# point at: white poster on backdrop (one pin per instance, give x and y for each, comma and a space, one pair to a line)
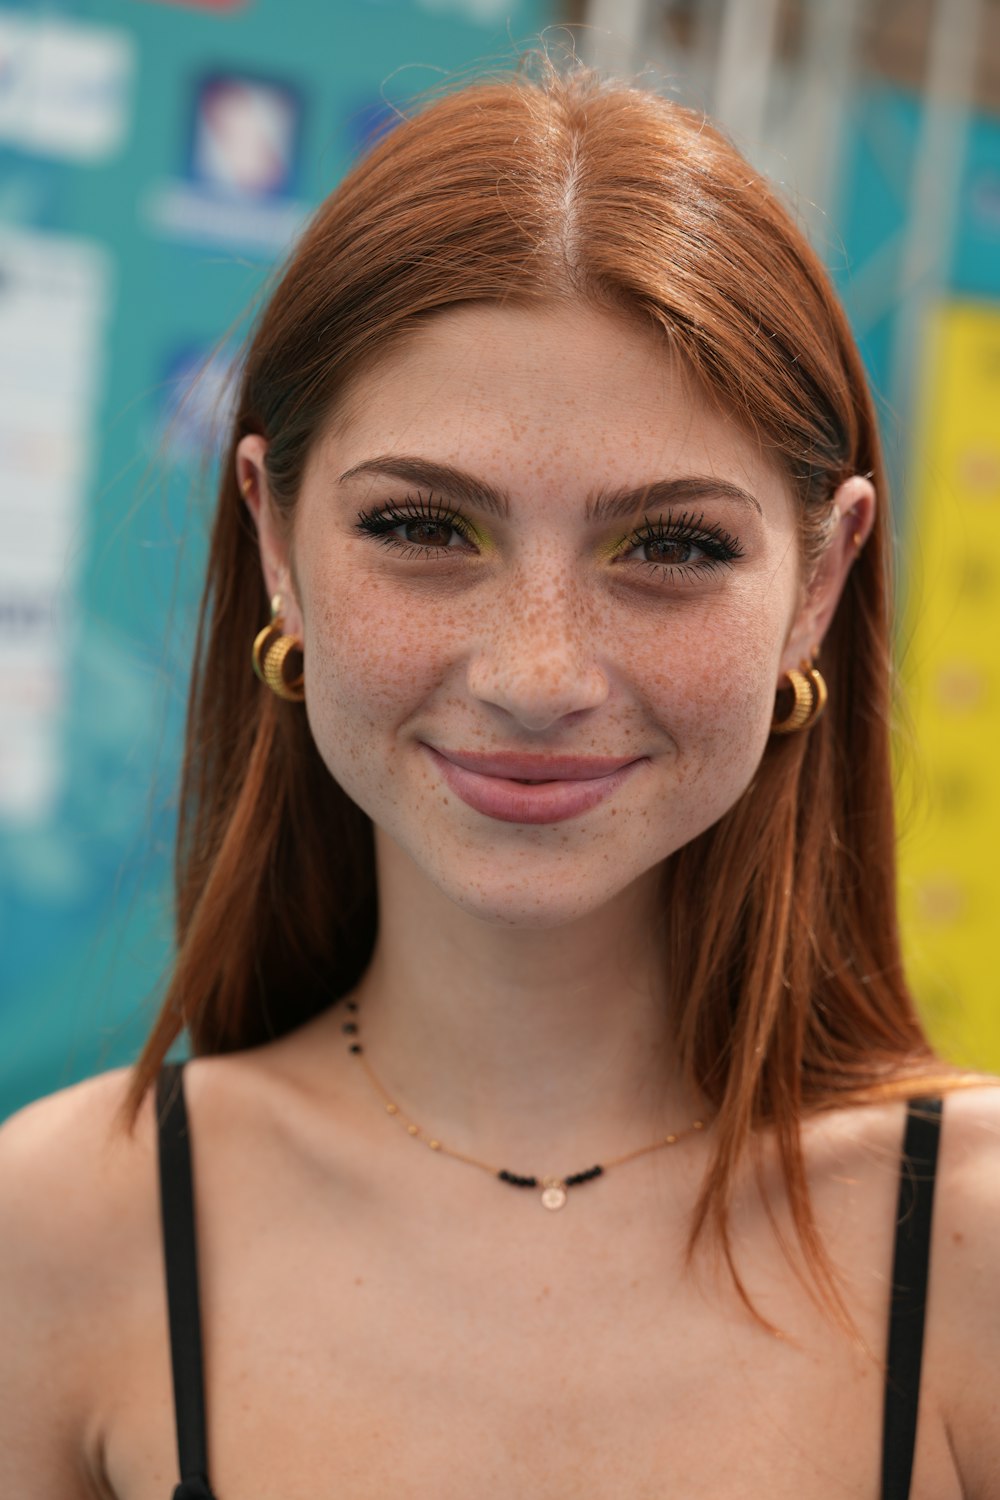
64, 86
54, 295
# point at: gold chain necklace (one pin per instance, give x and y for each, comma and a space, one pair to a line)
554, 1189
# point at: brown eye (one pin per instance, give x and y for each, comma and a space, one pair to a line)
669, 551
429, 533
418, 523
678, 548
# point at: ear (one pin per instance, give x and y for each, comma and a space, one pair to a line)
272, 532
851, 523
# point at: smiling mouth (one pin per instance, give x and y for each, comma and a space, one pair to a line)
573, 786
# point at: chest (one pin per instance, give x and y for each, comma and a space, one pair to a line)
446, 1364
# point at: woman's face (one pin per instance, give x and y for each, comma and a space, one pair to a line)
527, 549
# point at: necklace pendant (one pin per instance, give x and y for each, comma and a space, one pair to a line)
553, 1194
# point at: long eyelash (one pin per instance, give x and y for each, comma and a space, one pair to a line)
382, 522
722, 549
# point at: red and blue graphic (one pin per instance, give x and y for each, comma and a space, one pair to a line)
246, 137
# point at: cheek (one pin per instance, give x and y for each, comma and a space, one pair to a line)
711, 681
366, 661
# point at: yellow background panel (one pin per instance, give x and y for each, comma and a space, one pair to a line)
950, 667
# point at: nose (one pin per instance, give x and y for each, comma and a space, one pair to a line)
538, 658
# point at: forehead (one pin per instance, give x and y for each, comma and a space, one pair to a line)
552, 397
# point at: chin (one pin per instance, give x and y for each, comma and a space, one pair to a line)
530, 887
535, 911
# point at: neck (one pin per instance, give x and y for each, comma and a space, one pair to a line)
536, 1048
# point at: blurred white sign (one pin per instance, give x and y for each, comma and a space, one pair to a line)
64, 86
54, 294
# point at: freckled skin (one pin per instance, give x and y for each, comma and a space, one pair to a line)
539, 640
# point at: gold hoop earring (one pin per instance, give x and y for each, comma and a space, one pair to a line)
801, 708
266, 638
275, 656
810, 699
270, 651
820, 694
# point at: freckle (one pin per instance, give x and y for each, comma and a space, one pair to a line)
359, 1281
958, 1238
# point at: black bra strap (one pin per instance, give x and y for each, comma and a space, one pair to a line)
180, 1251
911, 1260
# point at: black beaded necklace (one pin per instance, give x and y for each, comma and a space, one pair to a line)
554, 1189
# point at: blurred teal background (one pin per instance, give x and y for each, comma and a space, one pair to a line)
156, 159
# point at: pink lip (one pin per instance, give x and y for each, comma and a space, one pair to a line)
568, 784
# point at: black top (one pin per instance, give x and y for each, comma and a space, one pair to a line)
911, 1258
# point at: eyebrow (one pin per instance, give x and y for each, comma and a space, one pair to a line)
603, 505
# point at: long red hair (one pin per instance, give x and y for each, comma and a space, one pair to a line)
786, 960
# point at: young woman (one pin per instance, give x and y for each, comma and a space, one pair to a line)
556, 1087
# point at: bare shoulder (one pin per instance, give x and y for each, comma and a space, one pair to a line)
66, 1160
78, 1210
963, 1340
967, 1192
74, 1184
